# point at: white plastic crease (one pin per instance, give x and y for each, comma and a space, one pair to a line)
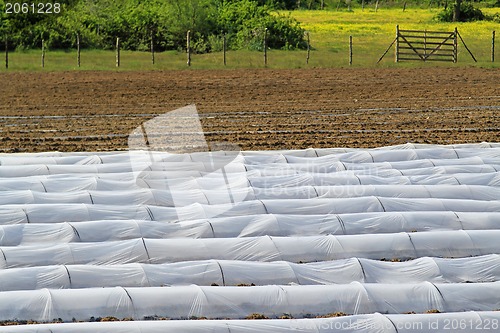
164, 197
233, 302
148, 234
233, 272
470, 322
401, 246
253, 178
20, 232
75, 212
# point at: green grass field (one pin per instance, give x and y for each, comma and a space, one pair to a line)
329, 30
374, 31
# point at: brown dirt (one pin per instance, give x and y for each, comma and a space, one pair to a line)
256, 109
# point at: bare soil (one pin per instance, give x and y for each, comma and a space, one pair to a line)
256, 109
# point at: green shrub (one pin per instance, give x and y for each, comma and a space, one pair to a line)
494, 4
468, 13
215, 43
100, 22
247, 21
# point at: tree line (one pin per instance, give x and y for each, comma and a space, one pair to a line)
136, 22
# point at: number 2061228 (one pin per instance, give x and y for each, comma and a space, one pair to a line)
32, 8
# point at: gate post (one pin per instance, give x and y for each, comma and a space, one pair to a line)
493, 46
350, 50
396, 54
455, 46
425, 45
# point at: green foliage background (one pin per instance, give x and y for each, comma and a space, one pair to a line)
467, 13
100, 22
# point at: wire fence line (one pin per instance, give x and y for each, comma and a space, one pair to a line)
190, 50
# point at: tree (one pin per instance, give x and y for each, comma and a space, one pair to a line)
100, 22
456, 10
461, 12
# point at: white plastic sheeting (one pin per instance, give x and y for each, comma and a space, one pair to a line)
406, 152
183, 302
186, 180
452, 244
142, 234
470, 322
73, 212
245, 226
231, 272
165, 198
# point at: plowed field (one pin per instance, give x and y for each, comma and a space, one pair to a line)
256, 109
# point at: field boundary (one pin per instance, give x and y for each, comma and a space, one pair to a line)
410, 45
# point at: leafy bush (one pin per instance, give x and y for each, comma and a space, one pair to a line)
467, 13
294, 4
100, 22
494, 4
215, 43
247, 21
27, 30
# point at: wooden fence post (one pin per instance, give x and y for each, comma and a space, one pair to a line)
455, 46
350, 50
493, 46
224, 47
363, 5
78, 49
396, 49
188, 48
265, 47
43, 53
376, 6
322, 4
118, 52
404, 7
6, 52
308, 47
425, 45
152, 47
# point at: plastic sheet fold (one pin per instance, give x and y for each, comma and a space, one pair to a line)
273, 301
235, 272
371, 233
401, 246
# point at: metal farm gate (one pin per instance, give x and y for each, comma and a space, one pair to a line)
423, 45
426, 45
